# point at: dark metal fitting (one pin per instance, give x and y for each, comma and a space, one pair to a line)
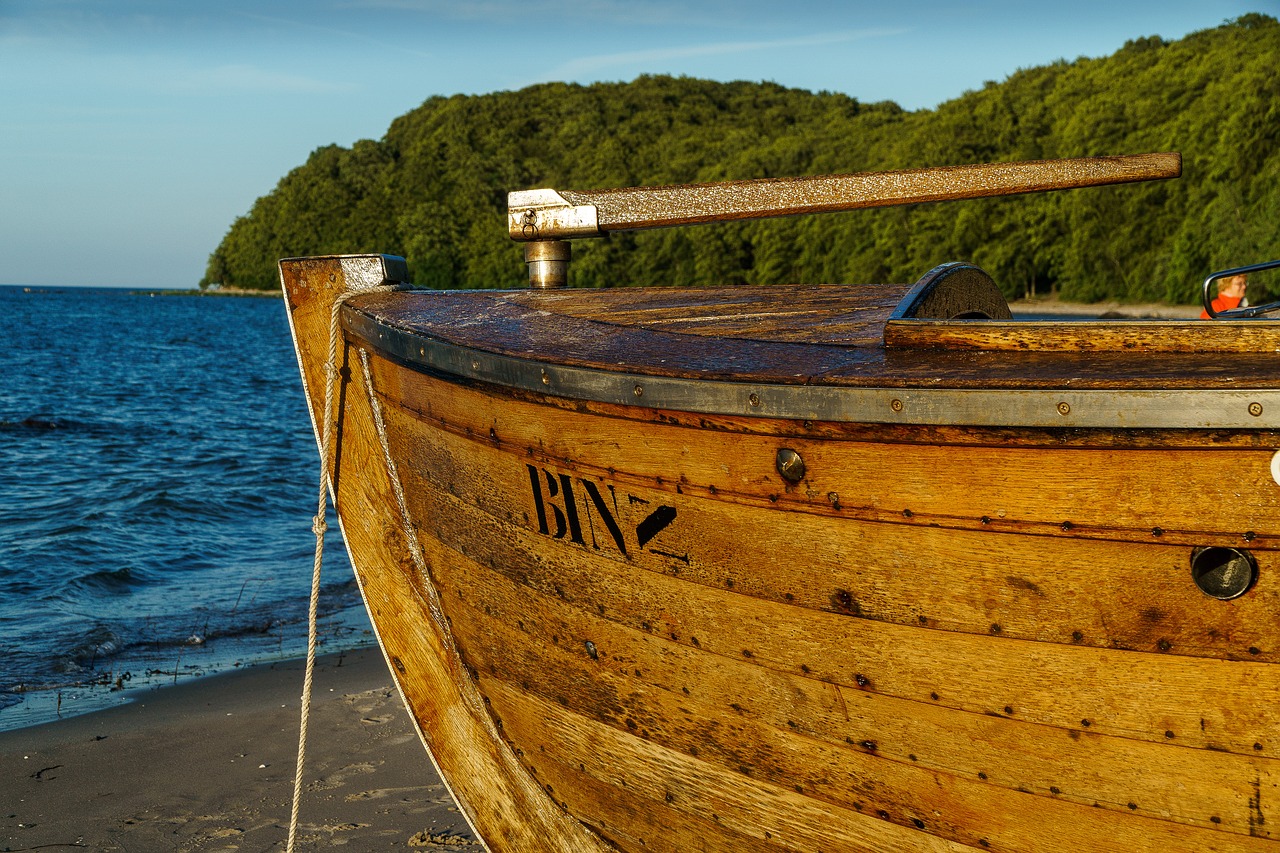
789, 465
1223, 573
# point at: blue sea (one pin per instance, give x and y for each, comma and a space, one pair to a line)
158, 475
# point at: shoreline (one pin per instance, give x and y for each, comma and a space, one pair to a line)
194, 291
1109, 309
208, 765
1033, 305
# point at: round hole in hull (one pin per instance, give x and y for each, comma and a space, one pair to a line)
1223, 573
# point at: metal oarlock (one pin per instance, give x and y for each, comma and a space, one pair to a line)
548, 262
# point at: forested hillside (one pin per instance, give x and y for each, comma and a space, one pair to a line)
434, 188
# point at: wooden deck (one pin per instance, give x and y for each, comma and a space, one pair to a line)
832, 335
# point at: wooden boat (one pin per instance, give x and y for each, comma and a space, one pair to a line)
837, 568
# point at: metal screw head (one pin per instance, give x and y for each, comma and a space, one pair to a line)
789, 465
896, 405
1064, 409
1255, 409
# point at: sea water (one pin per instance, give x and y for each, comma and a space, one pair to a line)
158, 476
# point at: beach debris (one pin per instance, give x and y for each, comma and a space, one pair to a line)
431, 838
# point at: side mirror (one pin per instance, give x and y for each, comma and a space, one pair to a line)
1237, 313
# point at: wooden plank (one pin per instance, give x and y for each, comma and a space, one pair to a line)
658, 207
520, 326
741, 804
729, 710
809, 314
1032, 587
636, 823
906, 436
635, 763
1202, 702
1138, 336
1104, 492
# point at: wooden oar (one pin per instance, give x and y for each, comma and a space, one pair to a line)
539, 215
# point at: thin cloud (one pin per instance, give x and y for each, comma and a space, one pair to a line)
351, 34
589, 65
622, 12
241, 78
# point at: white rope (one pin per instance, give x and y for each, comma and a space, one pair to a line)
318, 526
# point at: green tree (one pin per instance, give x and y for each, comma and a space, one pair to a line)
434, 187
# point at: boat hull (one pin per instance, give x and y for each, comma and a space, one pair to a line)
621, 627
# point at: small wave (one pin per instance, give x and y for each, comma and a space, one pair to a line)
118, 580
45, 424
40, 423
96, 644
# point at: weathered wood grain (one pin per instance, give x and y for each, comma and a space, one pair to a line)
1204, 703
1136, 336
633, 208
745, 717
630, 762
1032, 587
641, 771
780, 334
1148, 494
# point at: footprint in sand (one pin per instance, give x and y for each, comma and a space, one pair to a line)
339, 778
379, 793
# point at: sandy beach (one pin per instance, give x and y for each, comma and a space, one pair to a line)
209, 766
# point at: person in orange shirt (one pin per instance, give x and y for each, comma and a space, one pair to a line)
1230, 294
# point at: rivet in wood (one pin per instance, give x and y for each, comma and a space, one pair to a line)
790, 465
1064, 408
1255, 409
1223, 573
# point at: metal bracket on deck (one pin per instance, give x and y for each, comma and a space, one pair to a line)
546, 216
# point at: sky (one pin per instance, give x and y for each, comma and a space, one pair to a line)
134, 132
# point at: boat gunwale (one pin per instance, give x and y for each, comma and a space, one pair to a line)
1113, 408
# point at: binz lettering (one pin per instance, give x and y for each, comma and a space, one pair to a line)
606, 517
654, 523
556, 504
564, 513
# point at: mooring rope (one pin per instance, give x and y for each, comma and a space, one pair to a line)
319, 526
